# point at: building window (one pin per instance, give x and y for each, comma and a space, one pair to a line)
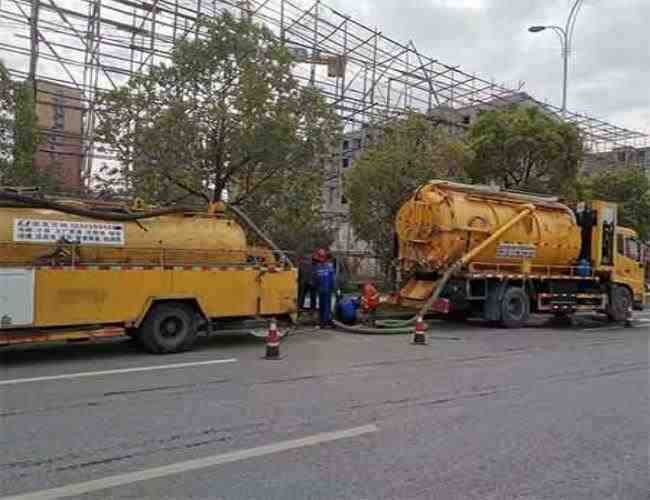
346, 162
642, 156
346, 145
344, 200
466, 120
331, 196
357, 143
621, 156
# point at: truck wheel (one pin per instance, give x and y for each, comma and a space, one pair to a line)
620, 301
168, 327
515, 308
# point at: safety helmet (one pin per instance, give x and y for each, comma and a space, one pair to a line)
320, 255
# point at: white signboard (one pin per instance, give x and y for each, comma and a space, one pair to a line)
516, 251
53, 231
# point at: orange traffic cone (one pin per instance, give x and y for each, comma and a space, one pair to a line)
273, 342
419, 335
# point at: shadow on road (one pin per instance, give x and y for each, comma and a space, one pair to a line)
52, 353
228, 344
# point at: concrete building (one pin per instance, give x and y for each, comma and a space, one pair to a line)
60, 118
335, 205
624, 156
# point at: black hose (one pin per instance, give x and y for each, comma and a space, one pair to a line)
83, 212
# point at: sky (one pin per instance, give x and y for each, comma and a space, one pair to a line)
609, 67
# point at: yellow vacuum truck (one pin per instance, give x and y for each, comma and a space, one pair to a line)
78, 270
504, 255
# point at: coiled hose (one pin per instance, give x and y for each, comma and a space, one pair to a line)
393, 326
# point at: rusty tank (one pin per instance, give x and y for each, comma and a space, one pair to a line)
31, 235
442, 221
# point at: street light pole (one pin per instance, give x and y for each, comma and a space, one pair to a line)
565, 77
566, 37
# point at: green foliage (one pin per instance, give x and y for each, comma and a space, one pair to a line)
6, 114
411, 153
225, 119
292, 215
19, 135
27, 139
525, 148
627, 186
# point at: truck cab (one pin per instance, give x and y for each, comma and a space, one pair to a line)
616, 253
629, 266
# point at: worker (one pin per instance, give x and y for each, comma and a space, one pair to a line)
325, 275
369, 300
306, 282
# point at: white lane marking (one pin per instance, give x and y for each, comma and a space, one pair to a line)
200, 463
599, 328
636, 323
111, 372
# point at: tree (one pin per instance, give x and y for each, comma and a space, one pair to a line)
6, 113
27, 139
411, 152
223, 119
293, 214
19, 135
630, 188
525, 148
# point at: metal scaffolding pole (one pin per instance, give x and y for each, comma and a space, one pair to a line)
34, 49
380, 79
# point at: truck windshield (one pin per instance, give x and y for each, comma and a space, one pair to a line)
633, 249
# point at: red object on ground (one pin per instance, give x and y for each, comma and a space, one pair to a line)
273, 341
419, 337
441, 306
369, 298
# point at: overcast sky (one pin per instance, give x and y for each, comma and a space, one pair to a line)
609, 75
609, 71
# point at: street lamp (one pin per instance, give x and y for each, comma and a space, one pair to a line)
566, 36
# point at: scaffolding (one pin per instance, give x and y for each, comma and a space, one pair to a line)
95, 45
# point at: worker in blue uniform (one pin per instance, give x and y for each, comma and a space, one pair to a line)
325, 283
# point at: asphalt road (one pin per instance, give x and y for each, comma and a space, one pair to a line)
546, 412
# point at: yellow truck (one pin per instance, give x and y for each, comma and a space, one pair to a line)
479, 251
77, 270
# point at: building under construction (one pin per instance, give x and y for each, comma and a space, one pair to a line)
84, 47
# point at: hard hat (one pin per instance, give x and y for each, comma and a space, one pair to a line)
320, 255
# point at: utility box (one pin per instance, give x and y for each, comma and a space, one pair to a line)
16, 297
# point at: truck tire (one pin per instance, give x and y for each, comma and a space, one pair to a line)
169, 327
515, 308
620, 301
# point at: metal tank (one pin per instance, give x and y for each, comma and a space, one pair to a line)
444, 220
31, 236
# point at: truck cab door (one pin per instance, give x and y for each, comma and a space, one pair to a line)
629, 268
